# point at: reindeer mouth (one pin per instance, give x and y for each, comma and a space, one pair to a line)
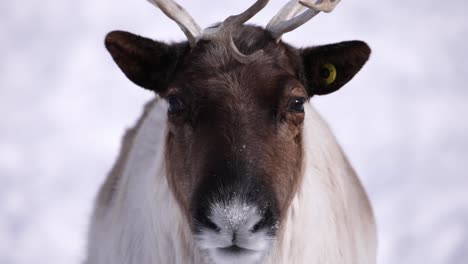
235, 254
235, 232
235, 250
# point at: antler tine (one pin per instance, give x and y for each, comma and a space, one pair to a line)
325, 6
233, 21
289, 25
247, 14
178, 14
224, 31
290, 10
286, 21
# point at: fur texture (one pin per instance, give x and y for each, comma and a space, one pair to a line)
137, 219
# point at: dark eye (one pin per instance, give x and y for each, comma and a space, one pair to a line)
175, 105
296, 105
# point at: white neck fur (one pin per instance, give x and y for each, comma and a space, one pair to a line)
329, 221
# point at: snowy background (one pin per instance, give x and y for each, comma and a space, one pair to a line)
403, 121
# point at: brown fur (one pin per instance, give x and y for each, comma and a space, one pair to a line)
237, 126
237, 115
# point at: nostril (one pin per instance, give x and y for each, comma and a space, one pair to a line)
266, 222
258, 225
211, 225
202, 221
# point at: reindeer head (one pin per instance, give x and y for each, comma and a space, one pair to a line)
236, 97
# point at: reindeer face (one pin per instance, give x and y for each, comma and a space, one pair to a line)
234, 144
234, 139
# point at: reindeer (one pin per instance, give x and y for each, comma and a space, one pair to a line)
230, 162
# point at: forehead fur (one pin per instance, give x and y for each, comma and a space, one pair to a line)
210, 72
213, 57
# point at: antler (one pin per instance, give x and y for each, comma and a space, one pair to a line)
234, 21
181, 17
286, 19
224, 30
220, 32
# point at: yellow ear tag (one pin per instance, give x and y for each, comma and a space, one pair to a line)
328, 73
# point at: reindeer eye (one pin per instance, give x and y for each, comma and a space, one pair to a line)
175, 105
296, 105
328, 73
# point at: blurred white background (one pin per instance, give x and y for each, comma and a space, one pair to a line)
402, 120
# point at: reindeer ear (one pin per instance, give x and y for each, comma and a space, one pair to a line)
147, 63
327, 68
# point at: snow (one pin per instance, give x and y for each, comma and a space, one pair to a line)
401, 120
